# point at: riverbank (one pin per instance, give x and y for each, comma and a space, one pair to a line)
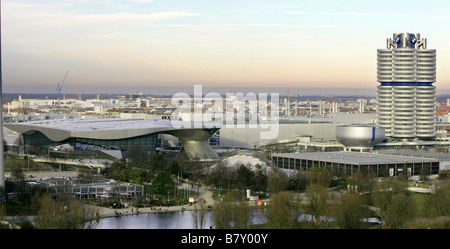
204, 195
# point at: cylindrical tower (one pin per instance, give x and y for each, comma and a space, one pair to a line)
406, 96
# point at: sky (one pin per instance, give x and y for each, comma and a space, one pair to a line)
235, 43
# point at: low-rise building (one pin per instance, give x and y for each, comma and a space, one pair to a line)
349, 162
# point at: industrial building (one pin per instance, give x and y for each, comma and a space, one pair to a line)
406, 71
350, 162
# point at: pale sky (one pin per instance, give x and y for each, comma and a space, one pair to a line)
235, 43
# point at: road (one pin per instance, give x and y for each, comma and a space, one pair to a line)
42, 174
77, 162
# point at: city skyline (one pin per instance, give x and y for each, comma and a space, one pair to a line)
144, 43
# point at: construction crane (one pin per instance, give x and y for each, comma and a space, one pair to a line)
289, 101
289, 94
60, 87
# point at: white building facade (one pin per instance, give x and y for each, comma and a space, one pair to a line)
406, 71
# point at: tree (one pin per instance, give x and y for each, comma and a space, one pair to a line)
220, 175
364, 182
163, 183
138, 157
395, 202
241, 215
260, 179
230, 213
350, 211
50, 214
244, 177
222, 213
278, 181
282, 213
174, 167
138, 176
19, 180
116, 167
157, 163
321, 176
437, 204
317, 201
81, 216
17, 172
60, 213
199, 215
298, 180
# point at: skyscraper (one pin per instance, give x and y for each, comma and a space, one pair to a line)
406, 71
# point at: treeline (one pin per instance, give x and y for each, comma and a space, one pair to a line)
319, 206
51, 211
265, 179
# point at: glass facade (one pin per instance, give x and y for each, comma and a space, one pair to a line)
340, 168
147, 142
38, 139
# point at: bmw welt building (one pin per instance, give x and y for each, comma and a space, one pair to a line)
117, 134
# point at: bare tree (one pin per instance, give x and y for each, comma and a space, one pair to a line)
317, 198
350, 211
321, 176
60, 213
241, 215
278, 181
81, 215
282, 212
199, 215
437, 204
48, 215
222, 214
231, 213
395, 202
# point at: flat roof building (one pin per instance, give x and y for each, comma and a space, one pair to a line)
349, 162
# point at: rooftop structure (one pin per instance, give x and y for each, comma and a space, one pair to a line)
359, 137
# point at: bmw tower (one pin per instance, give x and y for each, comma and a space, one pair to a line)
406, 71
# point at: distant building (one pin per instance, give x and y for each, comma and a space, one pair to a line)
406, 71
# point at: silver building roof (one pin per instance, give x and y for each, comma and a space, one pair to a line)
111, 128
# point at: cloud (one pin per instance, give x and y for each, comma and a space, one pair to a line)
141, 1
135, 16
40, 14
362, 14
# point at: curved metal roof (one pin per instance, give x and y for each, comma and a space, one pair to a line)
59, 130
194, 135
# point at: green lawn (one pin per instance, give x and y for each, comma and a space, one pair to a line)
419, 199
